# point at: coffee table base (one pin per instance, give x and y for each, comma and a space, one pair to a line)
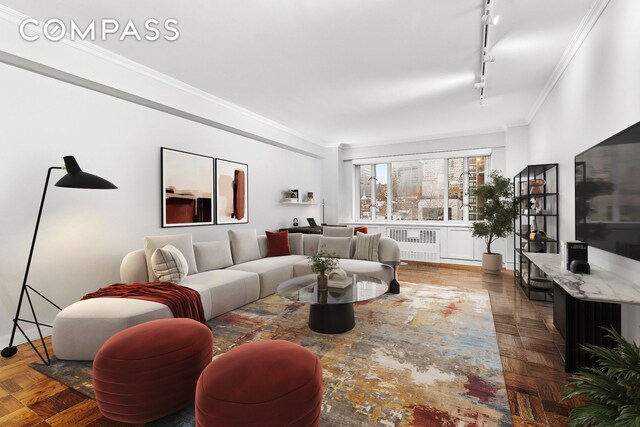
331, 318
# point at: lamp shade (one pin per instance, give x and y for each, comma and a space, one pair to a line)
76, 178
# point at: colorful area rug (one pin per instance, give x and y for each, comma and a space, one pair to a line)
425, 357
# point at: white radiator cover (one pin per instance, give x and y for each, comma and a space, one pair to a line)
417, 244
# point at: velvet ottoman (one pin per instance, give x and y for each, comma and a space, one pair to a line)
265, 383
150, 370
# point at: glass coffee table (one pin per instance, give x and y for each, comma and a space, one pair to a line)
331, 312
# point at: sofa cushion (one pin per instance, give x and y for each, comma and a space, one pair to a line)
278, 243
244, 245
213, 255
367, 246
183, 242
168, 264
296, 243
272, 271
337, 231
228, 289
340, 246
310, 244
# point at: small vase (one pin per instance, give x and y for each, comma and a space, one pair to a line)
323, 283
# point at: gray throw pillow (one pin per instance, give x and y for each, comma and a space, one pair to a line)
244, 245
295, 243
329, 231
213, 255
367, 246
169, 265
182, 242
340, 246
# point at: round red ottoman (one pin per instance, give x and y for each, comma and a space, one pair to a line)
265, 383
150, 370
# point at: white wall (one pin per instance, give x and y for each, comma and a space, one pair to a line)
85, 233
597, 96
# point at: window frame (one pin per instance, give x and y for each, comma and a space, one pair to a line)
373, 162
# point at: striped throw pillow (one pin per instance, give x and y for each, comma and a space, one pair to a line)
168, 264
367, 246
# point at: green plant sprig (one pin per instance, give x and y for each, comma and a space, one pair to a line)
322, 262
611, 389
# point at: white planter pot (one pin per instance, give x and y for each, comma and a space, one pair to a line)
491, 263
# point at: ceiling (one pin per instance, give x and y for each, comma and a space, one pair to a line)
355, 72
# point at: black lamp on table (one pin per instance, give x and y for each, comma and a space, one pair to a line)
75, 178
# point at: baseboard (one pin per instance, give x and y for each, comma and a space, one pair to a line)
20, 339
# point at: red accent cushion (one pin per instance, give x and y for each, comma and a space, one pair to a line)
278, 243
263, 383
362, 229
150, 370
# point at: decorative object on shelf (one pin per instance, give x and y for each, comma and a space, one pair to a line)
497, 208
232, 179
295, 222
310, 196
611, 388
295, 194
536, 186
187, 188
580, 266
75, 178
321, 263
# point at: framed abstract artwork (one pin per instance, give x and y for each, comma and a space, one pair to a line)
187, 188
232, 189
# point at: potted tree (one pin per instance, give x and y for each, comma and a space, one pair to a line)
497, 208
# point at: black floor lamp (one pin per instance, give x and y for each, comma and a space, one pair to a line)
75, 178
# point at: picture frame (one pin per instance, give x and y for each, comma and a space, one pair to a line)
232, 192
295, 194
187, 188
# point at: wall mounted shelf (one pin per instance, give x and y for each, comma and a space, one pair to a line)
298, 203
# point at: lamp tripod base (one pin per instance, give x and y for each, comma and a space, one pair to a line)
9, 351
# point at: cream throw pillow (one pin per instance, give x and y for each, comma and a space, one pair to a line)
367, 246
169, 265
183, 242
340, 246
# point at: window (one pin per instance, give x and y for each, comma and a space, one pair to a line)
419, 190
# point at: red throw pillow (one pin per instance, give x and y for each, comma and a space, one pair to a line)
362, 229
278, 243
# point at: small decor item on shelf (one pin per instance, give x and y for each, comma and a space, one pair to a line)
321, 263
536, 186
310, 196
610, 389
295, 195
538, 236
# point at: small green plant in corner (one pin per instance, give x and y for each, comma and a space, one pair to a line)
496, 207
323, 262
611, 389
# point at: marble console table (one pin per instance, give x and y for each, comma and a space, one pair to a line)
583, 304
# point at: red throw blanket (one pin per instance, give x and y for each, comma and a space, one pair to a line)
182, 301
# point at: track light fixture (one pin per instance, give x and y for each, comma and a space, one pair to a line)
488, 19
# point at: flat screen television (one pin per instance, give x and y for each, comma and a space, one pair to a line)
608, 194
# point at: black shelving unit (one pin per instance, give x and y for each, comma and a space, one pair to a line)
536, 189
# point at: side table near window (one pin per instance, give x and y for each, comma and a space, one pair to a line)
394, 286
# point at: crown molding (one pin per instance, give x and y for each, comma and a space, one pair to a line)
579, 36
15, 17
464, 133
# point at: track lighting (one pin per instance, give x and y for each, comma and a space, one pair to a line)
489, 19
478, 85
488, 58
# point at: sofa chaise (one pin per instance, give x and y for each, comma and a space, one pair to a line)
227, 274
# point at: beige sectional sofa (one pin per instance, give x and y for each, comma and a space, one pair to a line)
226, 275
